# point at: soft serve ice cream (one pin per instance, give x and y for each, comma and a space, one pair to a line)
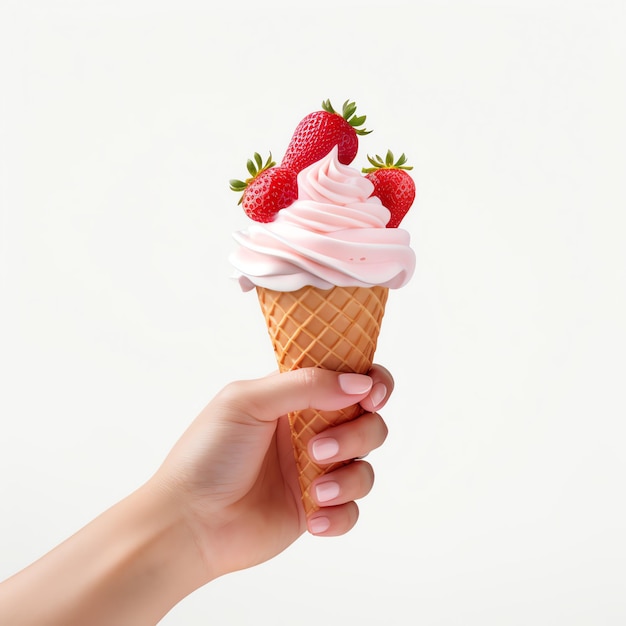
334, 234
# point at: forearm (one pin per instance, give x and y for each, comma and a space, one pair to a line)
131, 565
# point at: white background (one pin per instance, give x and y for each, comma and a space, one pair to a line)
500, 491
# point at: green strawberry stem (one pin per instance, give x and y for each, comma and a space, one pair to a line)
254, 169
386, 163
348, 112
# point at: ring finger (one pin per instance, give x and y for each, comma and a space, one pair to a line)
345, 484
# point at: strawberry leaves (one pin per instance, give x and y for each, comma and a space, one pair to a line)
388, 162
348, 112
268, 190
254, 169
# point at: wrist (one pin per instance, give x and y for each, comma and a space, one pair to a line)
147, 561
161, 557
130, 565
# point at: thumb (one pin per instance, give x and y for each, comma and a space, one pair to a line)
269, 398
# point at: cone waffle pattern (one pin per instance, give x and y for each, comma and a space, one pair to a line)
334, 329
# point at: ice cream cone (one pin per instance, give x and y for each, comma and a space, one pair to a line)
334, 329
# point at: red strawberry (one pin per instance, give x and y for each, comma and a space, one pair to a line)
318, 133
392, 185
268, 190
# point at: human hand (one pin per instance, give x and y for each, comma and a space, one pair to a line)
225, 498
233, 473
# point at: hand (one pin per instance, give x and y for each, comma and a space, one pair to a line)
233, 473
225, 498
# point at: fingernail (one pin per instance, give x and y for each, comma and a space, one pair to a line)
319, 525
326, 491
325, 448
378, 394
355, 384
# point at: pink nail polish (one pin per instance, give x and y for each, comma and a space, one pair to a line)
378, 394
325, 448
354, 384
327, 491
319, 525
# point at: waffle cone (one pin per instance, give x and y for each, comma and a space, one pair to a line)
334, 329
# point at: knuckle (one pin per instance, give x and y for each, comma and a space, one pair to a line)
231, 391
309, 379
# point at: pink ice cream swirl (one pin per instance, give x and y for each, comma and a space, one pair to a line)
333, 234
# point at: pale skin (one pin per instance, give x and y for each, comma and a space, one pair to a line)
225, 498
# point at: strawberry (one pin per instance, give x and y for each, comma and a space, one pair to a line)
319, 132
268, 190
392, 184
